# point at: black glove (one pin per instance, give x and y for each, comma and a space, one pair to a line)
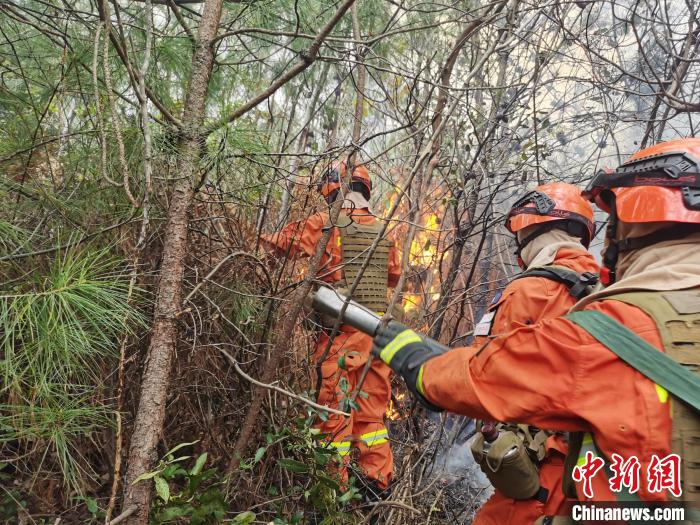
405, 351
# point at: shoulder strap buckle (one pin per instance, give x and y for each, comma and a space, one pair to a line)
578, 284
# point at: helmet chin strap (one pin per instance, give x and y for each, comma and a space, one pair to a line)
608, 274
520, 245
330, 198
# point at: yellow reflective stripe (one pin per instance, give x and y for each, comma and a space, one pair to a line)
419, 382
397, 343
586, 446
377, 433
375, 438
336, 444
661, 393
341, 447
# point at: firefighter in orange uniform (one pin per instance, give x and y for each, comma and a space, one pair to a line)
553, 226
342, 360
620, 372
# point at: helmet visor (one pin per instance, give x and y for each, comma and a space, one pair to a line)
673, 170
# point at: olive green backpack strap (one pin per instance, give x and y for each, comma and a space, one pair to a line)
640, 355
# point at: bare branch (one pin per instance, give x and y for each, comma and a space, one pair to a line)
278, 389
306, 58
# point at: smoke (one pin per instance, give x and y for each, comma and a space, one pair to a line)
466, 487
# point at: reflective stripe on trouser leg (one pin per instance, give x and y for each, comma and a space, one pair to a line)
375, 438
341, 447
375, 460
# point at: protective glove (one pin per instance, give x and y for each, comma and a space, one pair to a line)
405, 351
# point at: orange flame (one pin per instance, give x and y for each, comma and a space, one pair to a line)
423, 255
392, 412
411, 301
423, 248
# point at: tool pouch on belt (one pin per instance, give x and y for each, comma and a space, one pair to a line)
356, 242
510, 461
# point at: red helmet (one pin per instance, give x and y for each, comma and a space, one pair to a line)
553, 203
332, 177
660, 183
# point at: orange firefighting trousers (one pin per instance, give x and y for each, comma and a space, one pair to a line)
341, 371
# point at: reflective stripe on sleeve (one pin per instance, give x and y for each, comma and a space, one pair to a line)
419, 382
661, 393
397, 343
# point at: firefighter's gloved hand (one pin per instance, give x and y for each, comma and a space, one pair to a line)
405, 351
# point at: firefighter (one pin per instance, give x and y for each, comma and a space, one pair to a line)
553, 226
610, 372
341, 360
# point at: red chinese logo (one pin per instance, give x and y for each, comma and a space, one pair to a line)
585, 472
624, 473
665, 474
662, 474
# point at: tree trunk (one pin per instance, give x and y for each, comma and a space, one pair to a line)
148, 426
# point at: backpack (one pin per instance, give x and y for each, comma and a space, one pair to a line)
677, 370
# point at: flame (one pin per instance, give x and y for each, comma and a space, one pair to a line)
423, 286
422, 256
431, 223
423, 246
391, 198
411, 301
391, 413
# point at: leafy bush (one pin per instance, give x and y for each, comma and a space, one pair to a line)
191, 495
299, 451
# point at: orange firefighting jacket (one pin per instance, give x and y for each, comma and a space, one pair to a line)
524, 302
300, 239
528, 300
555, 375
